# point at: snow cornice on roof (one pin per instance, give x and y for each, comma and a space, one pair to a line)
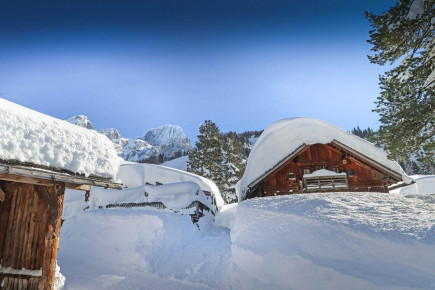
30, 137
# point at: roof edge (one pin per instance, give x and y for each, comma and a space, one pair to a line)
268, 172
367, 159
46, 174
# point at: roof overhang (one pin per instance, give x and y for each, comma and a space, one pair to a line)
396, 175
32, 175
279, 164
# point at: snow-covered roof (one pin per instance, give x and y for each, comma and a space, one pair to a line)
284, 137
32, 137
138, 174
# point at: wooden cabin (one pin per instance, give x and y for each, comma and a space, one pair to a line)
31, 203
40, 157
303, 155
339, 168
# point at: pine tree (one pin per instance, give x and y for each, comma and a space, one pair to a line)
206, 160
233, 166
407, 102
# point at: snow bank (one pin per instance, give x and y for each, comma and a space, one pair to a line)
283, 137
334, 241
175, 196
177, 163
136, 175
30, 136
143, 248
424, 184
309, 241
178, 190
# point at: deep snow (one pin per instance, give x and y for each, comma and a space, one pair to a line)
307, 241
142, 248
139, 174
30, 136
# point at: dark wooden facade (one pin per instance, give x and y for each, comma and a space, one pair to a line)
362, 174
30, 221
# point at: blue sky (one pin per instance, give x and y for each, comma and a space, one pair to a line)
134, 65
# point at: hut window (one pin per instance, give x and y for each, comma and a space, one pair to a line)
306, 171
351, 172
291, 175
320, 166
335, 169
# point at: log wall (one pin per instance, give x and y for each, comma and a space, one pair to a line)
314, 157
30, 219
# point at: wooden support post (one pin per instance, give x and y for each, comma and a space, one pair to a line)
51, 241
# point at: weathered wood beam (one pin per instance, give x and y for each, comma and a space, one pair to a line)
84, 187
52, 233
21, 171
25, 179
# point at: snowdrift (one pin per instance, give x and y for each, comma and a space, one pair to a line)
175, 196
148, 183
143, 248
310, 241
333, 241
283, 137
140, 174
30, 136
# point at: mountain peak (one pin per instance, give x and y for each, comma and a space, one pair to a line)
111, 133
166, 134
82, 121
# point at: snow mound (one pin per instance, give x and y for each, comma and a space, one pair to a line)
424, 184
177, 163
137, 175
334, 241
175, 196
283, 137
143, 248
30, 136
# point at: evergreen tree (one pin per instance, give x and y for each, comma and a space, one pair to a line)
233, 166
407, 101
206, 160
365, 134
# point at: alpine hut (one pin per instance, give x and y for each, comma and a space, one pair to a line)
301, 155
41, 156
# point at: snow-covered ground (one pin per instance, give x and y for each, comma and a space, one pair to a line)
142, 248
309, 241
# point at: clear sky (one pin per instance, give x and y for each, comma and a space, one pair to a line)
134, 65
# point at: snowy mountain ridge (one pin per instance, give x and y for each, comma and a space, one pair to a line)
155, 146
81, 121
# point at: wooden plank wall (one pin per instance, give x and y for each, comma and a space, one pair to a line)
30, 219
365, 179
